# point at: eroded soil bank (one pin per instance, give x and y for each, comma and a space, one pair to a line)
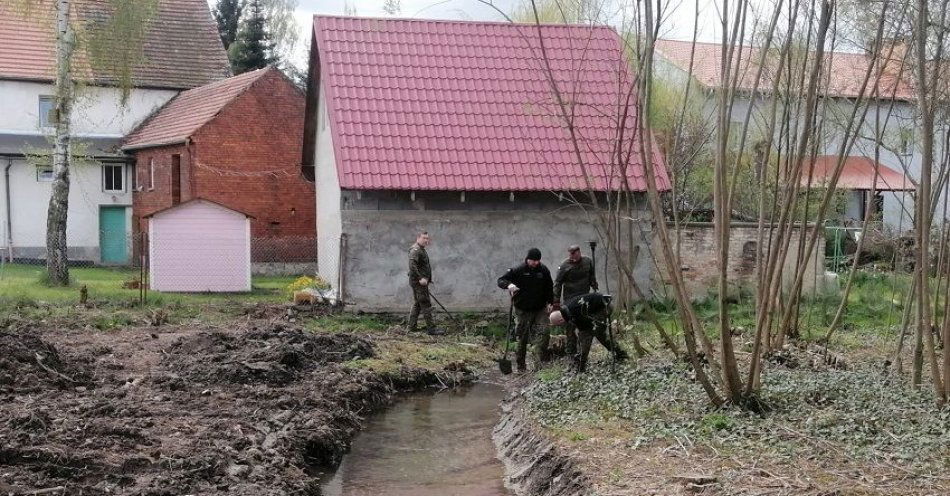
248, 409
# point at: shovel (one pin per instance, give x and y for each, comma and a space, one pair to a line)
504, 364
450, 314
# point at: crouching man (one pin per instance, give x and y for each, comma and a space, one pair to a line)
590, 313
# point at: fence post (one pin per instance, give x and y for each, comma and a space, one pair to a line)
341, 278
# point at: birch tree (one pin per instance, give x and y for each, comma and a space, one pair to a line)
111, 48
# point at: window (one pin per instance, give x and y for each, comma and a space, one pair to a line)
47, 111
176, 179
113, 178
44, 174
151, 174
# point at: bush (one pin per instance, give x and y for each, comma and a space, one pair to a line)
307, 282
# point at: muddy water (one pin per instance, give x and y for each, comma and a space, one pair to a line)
426, 445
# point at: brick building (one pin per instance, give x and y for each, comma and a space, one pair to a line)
235, 142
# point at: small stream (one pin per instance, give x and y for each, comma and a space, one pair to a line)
428, 444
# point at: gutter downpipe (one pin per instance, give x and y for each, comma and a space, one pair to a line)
9, 219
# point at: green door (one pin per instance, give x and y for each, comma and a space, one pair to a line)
112, 237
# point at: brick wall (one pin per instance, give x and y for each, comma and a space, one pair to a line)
247, 158
700, 267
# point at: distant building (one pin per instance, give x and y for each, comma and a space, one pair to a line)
891, 109
452, 127
182, 50
235, 142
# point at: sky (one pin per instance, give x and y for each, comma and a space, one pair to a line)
677, 25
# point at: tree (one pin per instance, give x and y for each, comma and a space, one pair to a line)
227, 13
392, 7
114, 48
252, 49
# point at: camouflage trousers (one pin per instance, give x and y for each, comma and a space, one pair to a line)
420, 304
532, 326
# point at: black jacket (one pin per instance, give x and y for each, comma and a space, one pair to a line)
535, 287
580, 309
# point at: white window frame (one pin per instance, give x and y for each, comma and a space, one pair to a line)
107, 167
44, 121
151, 174
40, 169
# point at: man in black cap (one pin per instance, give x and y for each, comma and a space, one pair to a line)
532, 292
590, 313
575, 276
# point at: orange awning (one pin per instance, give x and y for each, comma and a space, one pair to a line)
858, 174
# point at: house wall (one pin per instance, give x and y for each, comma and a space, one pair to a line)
98, 110
97, 113
248, 158
328, 201
474, 243
199, 247
29, 201
700, 266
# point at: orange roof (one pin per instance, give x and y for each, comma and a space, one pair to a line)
181, 117
858, 174
182, 48
845, 71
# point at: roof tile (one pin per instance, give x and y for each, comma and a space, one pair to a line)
190, 110
447, 105
182, 47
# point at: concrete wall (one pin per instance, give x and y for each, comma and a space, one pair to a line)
98, 111
473, 244
29, 199
697, 245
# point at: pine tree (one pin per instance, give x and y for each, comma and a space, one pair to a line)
227, 13
252, 48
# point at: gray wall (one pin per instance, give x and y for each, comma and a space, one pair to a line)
474, 242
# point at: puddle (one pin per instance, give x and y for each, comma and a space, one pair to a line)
426, 445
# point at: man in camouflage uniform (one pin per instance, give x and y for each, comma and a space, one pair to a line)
420, 276
576, 276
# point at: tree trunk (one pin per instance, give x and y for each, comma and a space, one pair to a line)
57, 262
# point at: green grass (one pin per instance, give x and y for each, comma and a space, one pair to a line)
24, 284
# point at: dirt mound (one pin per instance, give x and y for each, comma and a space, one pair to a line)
275, 355
183, 411
28, 363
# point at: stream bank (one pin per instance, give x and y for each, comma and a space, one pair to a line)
245, 408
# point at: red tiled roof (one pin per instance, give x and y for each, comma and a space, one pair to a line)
189, 111
858, 173
449, 105
182, 48
846, 71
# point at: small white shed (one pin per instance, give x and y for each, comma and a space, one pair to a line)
199, 246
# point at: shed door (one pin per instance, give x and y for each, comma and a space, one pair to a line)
112, 246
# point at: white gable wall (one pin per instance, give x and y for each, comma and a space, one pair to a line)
329, 220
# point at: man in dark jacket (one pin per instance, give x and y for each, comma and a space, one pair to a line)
420, 276
576, 276
532, 292
590, 313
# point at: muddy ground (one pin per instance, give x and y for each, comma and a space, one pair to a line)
251, 409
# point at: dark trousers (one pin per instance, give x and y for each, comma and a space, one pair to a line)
531, 326
594, 327
420, 304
